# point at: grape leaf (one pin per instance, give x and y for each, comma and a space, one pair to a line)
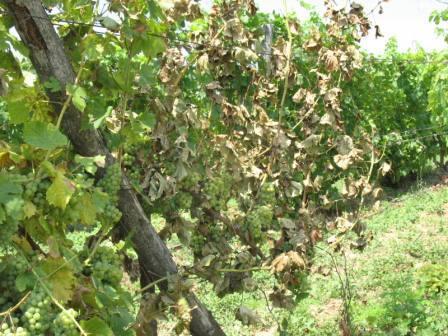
8, 188
90, 164
97, 123
96, 326
59, 276
24, 281
18, 111
18, 106
43, 135
29, 209
60, 191
79, 96
53, 85
147, 119
86, 209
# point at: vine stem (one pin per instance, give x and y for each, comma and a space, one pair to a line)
242, 270
270, 309
152, 284
11, 310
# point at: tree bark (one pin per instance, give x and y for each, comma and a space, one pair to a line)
49, 59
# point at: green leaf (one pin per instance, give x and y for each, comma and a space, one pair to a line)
109, 23
59, 274
96, 326
25, 281
53, 85
48, 168
18, 111
14, 208
79, 96
8, 188
60, 191
29, 209
43, 135
90, 164
100, 200
2, 215
147, 119
86, 209
97, 123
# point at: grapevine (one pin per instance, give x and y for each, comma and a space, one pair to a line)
111, 181
105, 265
258, 220
235, 137
63, 324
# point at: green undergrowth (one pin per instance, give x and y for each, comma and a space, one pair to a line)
399, 282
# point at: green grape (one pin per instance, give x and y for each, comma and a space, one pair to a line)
7, 330
259, 219
218, 191
111, 181
134, 176
30, 189
112, 213
267, 194
215, 233
8, 227
64, 324
38, 312
111, 184
11, 267
191, 181
39, 195
183, 200
128, 160
197, 242
106, 265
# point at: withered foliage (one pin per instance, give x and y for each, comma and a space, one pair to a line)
261, 172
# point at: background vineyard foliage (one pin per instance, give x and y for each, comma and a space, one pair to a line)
249, 154
402, 96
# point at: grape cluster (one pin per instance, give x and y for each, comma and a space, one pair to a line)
191, 181
106, 266
111, 184
64, 325
128, 159
218, 191
11, 212
39, 190
258, 219
38, 313
111, 181
267, 194
197, 242
12, 330
10, 269
31, 188
183, 200
8, 228
134, 176
112, 213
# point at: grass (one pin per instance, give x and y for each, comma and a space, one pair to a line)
399, 282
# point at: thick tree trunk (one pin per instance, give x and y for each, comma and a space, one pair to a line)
49, 59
